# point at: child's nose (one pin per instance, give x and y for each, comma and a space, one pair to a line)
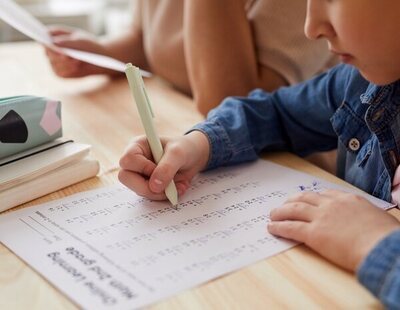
317, 25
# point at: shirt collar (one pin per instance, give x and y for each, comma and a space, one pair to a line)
370, 94
375, 93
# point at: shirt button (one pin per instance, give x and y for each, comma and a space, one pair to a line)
354, 144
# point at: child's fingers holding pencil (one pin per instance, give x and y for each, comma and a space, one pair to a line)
137, 158
139, 184
169, 165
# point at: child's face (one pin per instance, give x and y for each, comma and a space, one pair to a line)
364, 33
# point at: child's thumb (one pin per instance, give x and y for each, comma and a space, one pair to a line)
164, 173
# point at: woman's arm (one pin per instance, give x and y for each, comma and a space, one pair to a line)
129, 47
220, 53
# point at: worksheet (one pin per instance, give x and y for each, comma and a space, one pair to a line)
111, 249
20, 19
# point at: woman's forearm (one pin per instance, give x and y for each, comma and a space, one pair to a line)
128, 48
219, 50
220, 53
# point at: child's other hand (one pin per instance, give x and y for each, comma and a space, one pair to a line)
65, 66
183, 158
342, 227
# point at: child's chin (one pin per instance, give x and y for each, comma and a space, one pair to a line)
380, 78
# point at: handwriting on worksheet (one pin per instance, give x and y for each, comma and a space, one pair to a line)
110, 249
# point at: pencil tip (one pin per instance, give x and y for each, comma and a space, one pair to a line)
172, 195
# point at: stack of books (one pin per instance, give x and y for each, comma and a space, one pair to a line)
34, 158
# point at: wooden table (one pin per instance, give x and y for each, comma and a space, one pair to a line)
101, 112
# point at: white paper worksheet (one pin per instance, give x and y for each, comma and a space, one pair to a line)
19, 18
110, 249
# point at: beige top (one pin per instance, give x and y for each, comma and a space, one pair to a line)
281, 43
278, 28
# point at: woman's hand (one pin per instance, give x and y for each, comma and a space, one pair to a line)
67, 67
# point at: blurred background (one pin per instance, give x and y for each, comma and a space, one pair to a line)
96, 16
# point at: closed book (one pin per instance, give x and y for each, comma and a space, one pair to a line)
25, 166
42, 170
26, 122
49, 182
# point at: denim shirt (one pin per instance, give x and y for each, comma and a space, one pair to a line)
336, 110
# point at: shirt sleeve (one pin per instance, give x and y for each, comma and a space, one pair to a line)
295, 119
380, 271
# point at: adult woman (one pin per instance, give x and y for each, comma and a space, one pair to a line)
208, 49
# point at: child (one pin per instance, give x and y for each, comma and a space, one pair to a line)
354, 108
208, 49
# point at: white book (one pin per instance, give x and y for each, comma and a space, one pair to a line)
49, 182
42, 170
32, 163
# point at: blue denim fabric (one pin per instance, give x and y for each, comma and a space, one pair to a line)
328, 112
380, 271
322, 114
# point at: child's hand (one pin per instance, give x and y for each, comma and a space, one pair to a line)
66, 66
183, 158
340, 226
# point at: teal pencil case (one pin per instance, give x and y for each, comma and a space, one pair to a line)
26, 122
